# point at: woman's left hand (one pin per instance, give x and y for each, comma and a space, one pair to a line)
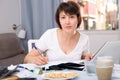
89, 56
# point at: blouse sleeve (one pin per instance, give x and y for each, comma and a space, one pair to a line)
43, 41
87, 47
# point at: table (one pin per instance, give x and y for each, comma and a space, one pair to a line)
81, 76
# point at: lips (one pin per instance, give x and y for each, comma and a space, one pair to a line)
68, 27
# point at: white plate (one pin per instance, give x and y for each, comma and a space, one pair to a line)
60, 73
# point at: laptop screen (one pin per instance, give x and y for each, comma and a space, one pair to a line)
110, 48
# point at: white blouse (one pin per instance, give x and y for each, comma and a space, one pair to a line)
49, 41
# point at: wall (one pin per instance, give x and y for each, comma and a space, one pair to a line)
9, 14
98, 38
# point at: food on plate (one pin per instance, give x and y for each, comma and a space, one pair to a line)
61, 75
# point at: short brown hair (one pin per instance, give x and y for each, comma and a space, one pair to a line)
71, 8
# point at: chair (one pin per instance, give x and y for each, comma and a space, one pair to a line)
11, 50
31, 42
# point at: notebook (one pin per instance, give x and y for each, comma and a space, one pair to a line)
110, 48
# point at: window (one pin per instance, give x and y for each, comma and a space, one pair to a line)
99, 14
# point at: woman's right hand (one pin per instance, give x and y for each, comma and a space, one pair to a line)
35, 58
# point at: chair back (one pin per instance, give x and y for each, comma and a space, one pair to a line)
31, 43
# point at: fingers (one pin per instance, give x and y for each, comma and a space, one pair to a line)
89, 56
42, 60
38, 60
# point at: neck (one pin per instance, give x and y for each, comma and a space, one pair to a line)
68, 35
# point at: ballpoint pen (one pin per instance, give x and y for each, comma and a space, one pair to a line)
41, 53
37, 49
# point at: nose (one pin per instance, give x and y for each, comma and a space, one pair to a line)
67, 20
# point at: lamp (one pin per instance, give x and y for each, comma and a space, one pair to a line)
20, 31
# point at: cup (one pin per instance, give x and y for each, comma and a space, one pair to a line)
90, 69
104, 67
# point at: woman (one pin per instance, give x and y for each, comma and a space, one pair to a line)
65, 43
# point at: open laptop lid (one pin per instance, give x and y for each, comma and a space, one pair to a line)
98, 52
110, 48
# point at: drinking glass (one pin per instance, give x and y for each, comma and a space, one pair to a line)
90, 69
104, 67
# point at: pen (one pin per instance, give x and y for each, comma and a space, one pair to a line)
41, 53
36, 49
22, 67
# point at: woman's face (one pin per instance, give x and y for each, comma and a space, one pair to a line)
68, 22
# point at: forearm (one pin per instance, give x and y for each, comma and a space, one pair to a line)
27, 59
35, 58
30, 55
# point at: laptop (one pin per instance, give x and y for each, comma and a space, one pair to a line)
110, 48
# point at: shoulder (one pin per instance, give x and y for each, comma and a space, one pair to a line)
82, 35
84, 39
52, 30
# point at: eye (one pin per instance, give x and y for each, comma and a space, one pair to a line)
62, 17
72, 16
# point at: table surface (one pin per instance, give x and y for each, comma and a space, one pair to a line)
82, 75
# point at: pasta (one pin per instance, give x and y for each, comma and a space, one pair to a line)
61, 75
